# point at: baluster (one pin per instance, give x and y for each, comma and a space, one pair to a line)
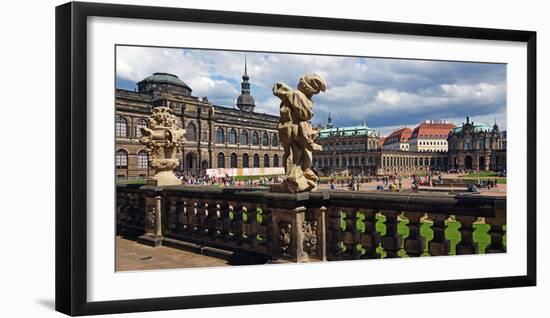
414, 243
496, 232
403, 231
334, 234
266, 230
172, 217
140, 206
426, 232
210, 218
452, 234
238, 225
466, 244
439, 245
131, 208
195, 222
357, 228
480, 235
183, 217
370, 238
203, 215
348, 238
232, 221
380, 227
253, 228
245, 226
120, 203
391, 241
218, 221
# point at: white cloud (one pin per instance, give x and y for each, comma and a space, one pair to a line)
388, 92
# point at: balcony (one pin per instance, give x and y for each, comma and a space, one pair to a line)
317, 226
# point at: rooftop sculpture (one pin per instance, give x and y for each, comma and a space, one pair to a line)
296, 133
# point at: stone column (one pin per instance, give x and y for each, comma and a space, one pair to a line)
153, 222
288, 235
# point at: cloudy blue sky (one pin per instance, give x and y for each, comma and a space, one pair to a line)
386, 93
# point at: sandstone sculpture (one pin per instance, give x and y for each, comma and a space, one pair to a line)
296, 133
163, 139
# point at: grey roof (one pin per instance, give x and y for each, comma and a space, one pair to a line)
165, 78
245, 99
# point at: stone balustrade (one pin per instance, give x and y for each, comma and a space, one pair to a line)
311, 226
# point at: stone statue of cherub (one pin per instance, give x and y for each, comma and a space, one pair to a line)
296, 134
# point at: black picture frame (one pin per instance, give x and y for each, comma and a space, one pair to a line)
71, 157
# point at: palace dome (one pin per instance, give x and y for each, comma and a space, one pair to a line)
165, 78
164, 82
245, 100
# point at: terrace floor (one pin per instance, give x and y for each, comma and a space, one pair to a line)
131, 256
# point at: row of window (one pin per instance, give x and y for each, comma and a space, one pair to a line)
244, 137
122, 130
408, 161
350, 161
372, 143
432, 143
246, 160
121, 160
468, 144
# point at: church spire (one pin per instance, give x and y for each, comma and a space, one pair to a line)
329, 122
245, 102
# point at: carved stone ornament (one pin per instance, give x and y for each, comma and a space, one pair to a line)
310, 237
296, 133
284, 236
163, 139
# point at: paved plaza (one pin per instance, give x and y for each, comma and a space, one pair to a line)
499, 190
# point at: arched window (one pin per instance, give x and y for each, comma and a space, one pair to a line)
265, 139
350, 162
232, 137
255, 138
245, 160
256, 160
266, 160
275, 140
143, 160
233, 160
244, 137
140, 123
220, 136
221, 160
191, 132
121, 159
121, 127
275, 160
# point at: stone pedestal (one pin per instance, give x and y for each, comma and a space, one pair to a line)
298, 234
153, 222
164, 178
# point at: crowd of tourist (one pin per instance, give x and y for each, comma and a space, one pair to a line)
229, 181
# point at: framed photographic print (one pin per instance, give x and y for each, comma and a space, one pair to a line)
208, 158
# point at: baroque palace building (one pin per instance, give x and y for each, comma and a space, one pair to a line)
216, 136
477, 147
433, 146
